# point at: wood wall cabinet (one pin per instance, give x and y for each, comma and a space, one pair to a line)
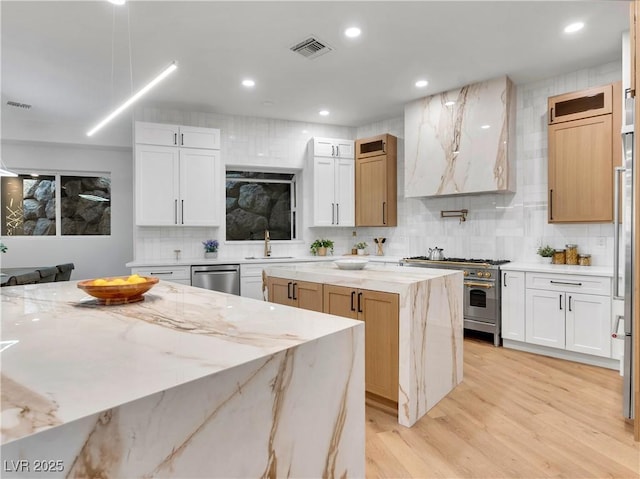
584, 149
300, 294
176, 185
380, 313
376, 181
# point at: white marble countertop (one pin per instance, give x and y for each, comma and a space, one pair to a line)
65, 357
253, 260
559, 268
391, 279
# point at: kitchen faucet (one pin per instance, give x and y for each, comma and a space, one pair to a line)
267, 245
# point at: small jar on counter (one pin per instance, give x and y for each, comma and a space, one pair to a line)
584, 259
571, 254
559, 257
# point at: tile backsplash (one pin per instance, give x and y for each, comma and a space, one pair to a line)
499, 226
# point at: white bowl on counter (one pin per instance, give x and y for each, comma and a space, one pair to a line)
351, 263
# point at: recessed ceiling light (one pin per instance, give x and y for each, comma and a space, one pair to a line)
117, 2
449, 103
248, 83
352, 32
485, 127
573, 27
422, 83
323, 113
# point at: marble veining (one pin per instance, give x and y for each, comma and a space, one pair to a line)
457, 142
430, 325
161, 392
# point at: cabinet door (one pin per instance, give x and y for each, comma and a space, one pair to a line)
344, 149
581, 104
545, 318
374, 146
324, 147
380, 312
200, 195
589, 324
345, 195
196, 137
251, 287
581, 171
513, 311
371, 191
156, 185
308, 295
324, 210
340, 300
160, 134
281, 291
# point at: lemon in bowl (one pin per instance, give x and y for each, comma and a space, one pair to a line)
119, 289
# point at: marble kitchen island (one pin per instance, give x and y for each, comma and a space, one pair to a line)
188, 383
430, 324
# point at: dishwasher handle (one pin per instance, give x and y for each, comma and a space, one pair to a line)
223, 268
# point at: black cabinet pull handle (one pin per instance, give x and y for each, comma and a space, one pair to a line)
569, 303
289, 290
550, 204
560, 299
504, 280
295, 285
333, 213
384, 212
353, 297
175, 211
175, 138
337, 213
565, 282
551, 115
360, 303
182, 139
182, 211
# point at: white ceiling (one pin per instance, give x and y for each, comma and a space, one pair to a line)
57, 56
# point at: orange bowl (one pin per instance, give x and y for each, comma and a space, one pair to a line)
118, 293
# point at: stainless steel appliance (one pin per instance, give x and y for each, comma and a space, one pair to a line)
482, 284
220, 277
624, 252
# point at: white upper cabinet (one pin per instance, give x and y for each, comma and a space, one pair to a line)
461, 141
177, 185
175, 135
333, 192
333, 148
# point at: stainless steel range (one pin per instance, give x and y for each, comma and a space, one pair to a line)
481, 290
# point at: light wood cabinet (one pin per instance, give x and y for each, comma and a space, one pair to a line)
380, 313
376, 181
300, 294
583, 150
513, 305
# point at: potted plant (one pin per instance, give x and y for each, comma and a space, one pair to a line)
546, 252
319, 247
3, 247
210, 248
361, 246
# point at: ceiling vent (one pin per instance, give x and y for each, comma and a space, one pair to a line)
24, 106
311, 48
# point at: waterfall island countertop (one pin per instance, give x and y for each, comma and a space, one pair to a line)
430, 328
145, 389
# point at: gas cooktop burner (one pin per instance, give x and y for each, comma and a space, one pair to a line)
461, 260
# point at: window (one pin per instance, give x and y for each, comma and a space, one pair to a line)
259, 201
34, 205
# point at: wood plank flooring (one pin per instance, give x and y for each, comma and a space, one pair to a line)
515, 415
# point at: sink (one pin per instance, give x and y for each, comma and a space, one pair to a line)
268, 257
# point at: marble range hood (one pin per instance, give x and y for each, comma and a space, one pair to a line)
461, 141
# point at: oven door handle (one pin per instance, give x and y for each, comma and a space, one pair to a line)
479, 285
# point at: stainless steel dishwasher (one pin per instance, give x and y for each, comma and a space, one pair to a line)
219, 277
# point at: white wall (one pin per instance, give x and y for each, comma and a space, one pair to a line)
507, 226
93, 256
246, 142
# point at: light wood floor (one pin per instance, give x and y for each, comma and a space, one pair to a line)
515, 415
